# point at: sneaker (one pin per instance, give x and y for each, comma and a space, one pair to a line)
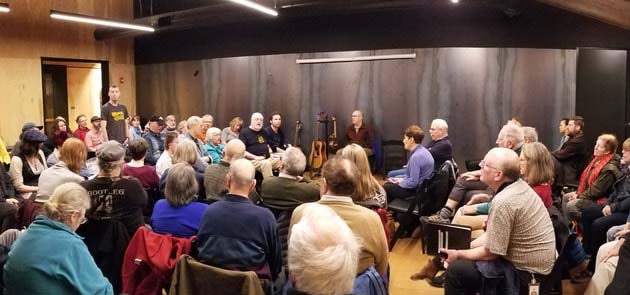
438, 218
428, 271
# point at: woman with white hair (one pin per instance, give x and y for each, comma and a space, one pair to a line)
322, 247
49, 257
214, 147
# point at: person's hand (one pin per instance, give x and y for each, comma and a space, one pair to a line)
571, 196
260, 158
470, 176
606, 211
394, 180
478, 198
469, 209
452, 256
13, 202
622, 233
614, 251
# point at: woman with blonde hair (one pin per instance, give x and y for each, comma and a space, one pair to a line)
369, 192
49, 257
232, 132
185, 152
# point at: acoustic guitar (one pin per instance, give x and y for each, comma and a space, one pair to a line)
318, 147
333, 144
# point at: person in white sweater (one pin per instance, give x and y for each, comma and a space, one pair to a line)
72, 156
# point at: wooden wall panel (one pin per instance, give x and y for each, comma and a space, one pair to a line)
616, 12
27, 34
475, 89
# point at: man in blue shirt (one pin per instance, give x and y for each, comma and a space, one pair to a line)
236, 234
419, 166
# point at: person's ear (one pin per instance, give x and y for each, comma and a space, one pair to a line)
323, 189
228, 181
252, 186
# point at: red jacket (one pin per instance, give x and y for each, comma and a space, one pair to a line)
150, 260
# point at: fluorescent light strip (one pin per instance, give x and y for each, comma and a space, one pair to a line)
353, 59
256, 6
98, 21
4, 7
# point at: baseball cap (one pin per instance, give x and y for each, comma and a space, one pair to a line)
33, 135
110, 151
96, 118
31, 125
157, 119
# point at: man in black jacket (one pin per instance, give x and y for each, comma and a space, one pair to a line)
572, 156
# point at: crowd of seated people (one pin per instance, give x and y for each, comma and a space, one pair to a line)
515, 203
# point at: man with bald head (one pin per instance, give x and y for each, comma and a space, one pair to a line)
214, 176
519, 241
360, 133
469, 186
257, 148
236, 234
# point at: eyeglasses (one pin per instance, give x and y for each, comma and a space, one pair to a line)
483, 164
83, 220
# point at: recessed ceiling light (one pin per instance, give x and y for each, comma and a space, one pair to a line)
4, 7
455, 1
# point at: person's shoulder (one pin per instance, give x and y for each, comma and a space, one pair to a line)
199, 205
129, 181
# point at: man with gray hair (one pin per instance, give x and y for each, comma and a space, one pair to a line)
322, 247
289, 189
194, 132
468, 185
519, 244
257, 148
530, 134
236, 234
440, 145
214, 176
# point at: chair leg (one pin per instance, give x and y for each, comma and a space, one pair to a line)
395, 237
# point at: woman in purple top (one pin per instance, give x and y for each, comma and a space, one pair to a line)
136, 168
178, 214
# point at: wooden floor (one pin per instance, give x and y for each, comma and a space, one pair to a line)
406, 258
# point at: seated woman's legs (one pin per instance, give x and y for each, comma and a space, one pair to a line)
395, 173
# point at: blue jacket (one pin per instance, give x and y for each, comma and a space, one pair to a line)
50, 258
215, 152
236, 234
156, 147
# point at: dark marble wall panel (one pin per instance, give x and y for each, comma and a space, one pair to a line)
475, 89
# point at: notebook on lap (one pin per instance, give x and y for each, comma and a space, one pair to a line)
445, 235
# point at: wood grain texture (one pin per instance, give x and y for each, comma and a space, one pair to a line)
475, 89
615, 12
27, 33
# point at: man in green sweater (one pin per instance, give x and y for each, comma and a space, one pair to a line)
289, 189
